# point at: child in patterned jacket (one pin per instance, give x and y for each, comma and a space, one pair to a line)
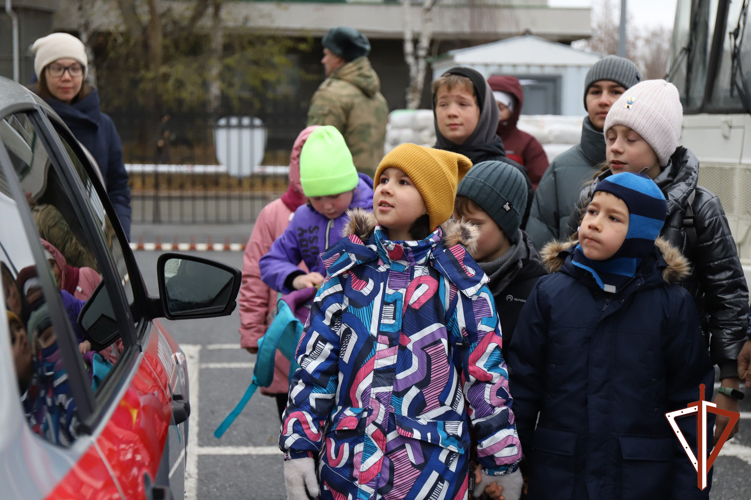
402, 353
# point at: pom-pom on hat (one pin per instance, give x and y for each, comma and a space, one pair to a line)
653, 110
501, 191
347, 43
326, 166
56, 46
434, 172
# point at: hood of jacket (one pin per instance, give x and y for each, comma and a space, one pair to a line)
592, 143
510, 85
673, 266
362, 223
361, 74
526, 257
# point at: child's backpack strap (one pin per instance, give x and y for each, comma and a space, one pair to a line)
689, 225
283, 335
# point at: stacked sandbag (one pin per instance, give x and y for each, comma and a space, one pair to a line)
556, 133
410, 125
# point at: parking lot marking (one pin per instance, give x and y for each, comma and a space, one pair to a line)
228, 365
193, 355
219, 347
731, 449
177, 463
239, 450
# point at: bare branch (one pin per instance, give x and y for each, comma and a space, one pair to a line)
198, 12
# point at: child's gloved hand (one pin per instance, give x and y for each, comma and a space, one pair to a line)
300, 473
507, 487
307, 281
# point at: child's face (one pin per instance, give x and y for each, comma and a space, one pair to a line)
397, 203
56, 272
21, 351
12, 295
332, 206
627, 151
492, 242
600, 97
456, 112
505, 113
604, 227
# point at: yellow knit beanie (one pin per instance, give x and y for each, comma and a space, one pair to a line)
435, 173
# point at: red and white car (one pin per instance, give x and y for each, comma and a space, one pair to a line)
94, 398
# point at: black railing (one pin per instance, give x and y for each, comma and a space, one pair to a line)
190, 169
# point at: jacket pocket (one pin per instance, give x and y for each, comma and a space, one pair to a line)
344, 432
647, 467
552, 464
449, 434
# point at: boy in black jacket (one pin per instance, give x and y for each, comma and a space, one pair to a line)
493, 196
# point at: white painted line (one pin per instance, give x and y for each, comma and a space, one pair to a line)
183, 247
227, 365
149, 246
239, 450
746, 415
193, 355
202, 247
214, 347
236, 247
731, 449
177, 463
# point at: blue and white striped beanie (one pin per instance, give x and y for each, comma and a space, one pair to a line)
647, 210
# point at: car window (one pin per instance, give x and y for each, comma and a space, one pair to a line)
104, 223
69, 256
46, 396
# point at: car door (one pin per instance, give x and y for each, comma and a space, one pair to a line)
117, 432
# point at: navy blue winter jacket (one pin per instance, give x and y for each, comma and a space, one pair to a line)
96, 131
601, 371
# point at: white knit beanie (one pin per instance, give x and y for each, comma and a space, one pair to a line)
56, 46
653, 109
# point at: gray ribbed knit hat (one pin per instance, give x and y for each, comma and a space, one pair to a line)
500, 190
653, 109
612, 68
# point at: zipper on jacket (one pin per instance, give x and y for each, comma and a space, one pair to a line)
329, 225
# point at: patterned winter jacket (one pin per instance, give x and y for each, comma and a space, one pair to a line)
401, 355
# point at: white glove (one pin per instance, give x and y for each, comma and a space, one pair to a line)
511, 483
300, 473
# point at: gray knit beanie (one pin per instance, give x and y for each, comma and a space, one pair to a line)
653, 109
615, 69
500, 190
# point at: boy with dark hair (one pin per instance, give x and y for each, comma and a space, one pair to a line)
492, 196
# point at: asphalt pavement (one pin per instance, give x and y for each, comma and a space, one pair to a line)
246, 463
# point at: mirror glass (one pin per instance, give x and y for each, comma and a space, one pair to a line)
196, 287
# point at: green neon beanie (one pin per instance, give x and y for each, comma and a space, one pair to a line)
326, 166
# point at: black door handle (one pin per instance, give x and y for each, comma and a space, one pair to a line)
180, 409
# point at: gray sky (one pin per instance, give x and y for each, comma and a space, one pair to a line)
644, 12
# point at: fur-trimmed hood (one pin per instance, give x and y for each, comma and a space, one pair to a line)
362, 223
677, 267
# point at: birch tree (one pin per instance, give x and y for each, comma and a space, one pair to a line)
416, 57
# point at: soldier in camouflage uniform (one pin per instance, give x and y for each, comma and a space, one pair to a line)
350, 98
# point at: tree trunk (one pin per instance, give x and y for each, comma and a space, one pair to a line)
85, 32
215, 61
417, 60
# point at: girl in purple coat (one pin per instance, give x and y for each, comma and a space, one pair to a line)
331, 183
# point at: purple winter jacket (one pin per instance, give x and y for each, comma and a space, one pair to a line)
308, 235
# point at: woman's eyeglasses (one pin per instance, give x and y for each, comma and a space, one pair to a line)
57, 70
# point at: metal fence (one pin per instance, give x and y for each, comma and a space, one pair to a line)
190, 169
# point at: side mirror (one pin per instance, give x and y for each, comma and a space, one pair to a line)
97, 319
192, 287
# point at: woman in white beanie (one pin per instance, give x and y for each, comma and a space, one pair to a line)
642, 130
61, 64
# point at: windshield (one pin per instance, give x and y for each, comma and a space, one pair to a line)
693, 31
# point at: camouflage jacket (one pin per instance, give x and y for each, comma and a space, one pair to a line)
350, 100
53, 227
